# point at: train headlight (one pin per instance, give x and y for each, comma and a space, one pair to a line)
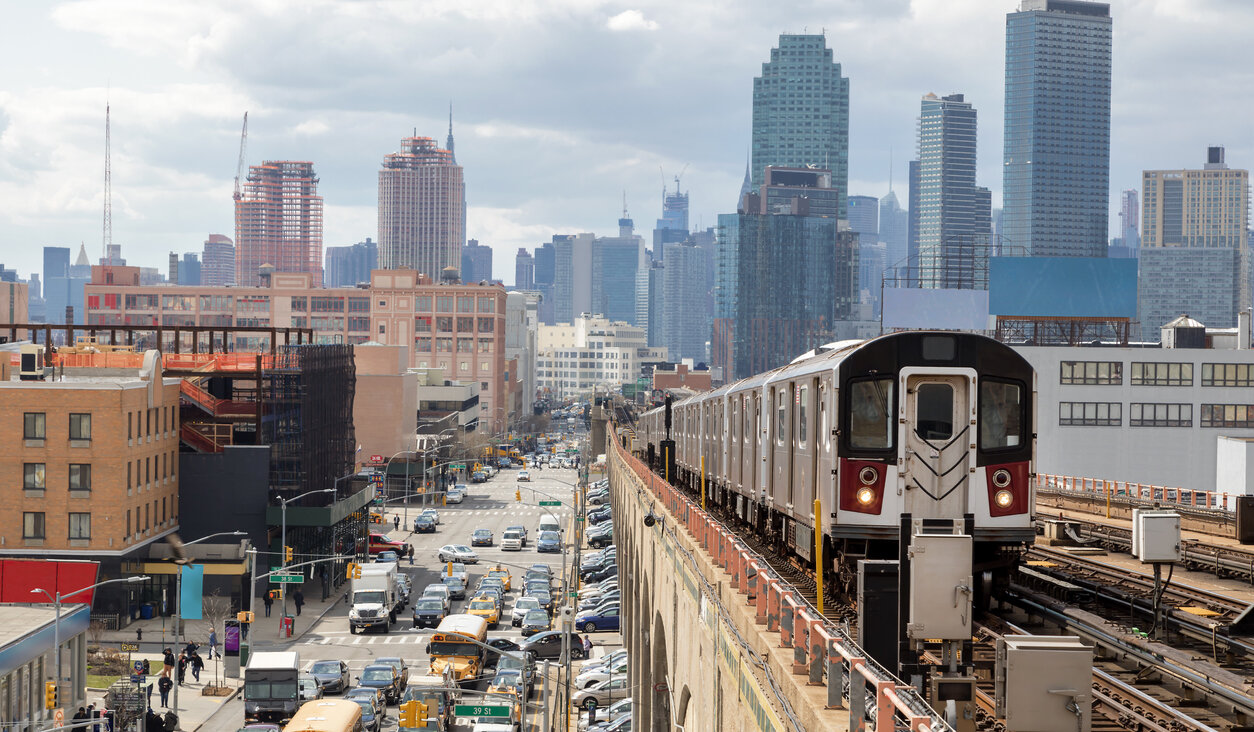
868, 476
1003, 498
866, 496
1001, 479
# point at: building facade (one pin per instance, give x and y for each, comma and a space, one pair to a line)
189, 269
278, 221
524, 270
572, 276
1130, 219
476, 262
801, 112
685, 311
591, 352
422, 208
351, 265
616, 260
217, 261
864, 218
1056, 172
954, 213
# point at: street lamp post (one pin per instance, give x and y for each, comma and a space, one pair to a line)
56, 614
283, 534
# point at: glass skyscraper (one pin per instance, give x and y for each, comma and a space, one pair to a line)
801, 112
1056, 173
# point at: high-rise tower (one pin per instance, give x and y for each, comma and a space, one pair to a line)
278, 221
801, 112
422, 208
954, 214
1056, 172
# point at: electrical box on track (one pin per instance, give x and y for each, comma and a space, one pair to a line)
941, 587
1044, 683
1158, 537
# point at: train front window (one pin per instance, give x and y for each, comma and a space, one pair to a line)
934, 412
1001, 405
870, 416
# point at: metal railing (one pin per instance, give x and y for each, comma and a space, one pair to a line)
1104, 489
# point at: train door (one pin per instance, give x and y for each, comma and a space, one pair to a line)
936, 445
780, 476
825, 471
805, 441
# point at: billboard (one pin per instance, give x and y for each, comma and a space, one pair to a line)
919, 309
1062, 287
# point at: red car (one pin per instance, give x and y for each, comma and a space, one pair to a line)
385, 543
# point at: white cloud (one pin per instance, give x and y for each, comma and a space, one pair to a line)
630, 20
311, 127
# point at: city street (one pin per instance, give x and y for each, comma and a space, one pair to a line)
488, 505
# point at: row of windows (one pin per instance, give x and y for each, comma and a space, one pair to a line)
35, 476
35, 426
35, 523
444, 304
1110, 414
423, 323
1110, 373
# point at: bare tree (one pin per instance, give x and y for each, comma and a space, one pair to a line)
95, 631
217, 609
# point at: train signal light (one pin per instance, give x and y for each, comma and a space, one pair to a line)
354, 570
287, 553
245, 616
50, 695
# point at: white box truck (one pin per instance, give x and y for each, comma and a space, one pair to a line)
271, 692
375, 596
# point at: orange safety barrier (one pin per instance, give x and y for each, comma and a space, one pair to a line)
1127, 489
821, 650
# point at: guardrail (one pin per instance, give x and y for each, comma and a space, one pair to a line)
1127, 489
822, 652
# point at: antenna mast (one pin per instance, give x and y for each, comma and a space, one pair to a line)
243, 144
106, 234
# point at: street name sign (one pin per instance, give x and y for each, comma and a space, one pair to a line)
480, 710
287, 579
550, 503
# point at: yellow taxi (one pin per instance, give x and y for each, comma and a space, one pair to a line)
376, 517
485, 606
502, 573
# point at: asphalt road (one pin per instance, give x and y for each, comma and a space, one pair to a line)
489, 505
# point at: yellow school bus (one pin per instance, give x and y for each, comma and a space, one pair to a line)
326, 715
451, 646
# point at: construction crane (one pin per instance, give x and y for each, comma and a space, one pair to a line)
243, 145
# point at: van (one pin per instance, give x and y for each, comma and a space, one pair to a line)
512, 541
548, 522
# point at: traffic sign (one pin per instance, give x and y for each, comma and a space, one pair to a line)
58, 717
139, 667
130, 647
287, 579
376, 458
550, 503
480, 710
458, 466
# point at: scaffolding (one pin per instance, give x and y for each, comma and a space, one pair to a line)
1063, 331
308, 423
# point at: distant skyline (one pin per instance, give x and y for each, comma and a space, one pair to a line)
549, 141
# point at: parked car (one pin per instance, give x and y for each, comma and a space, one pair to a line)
602, 694
613, 712
521, 606
481, 537
604, 617
458, 553
535, 621
600, 539
615, 656
610, 570
428, 612
596, 674
308, 688
383, 677
424, 524
331, 675
593, 603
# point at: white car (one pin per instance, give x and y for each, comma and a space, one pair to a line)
521, 606
458, 553
512, 540
595, 674
524, 476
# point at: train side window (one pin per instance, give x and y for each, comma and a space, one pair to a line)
824, 433
801, 416
781, 424
934, 412
870, 418
1001, 407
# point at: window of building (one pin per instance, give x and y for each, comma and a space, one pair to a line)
485, 366
33, 525
464, 366
487, 325
80, 526
422, 344
359, 325
465, 345
1160, 415
444, 345
147, 470
422, 303
128, 474
163, 510
422, 324
147, 517
1162, 374
1228, 415
381, 329
485, 345
465, 325
1090, 414
128, 523
173, 464
465, 304
358, 304
1104, 373
80, 426
487, 304
34, 428
34, 476
1227, 374
80, 476
444, 325
130, 418
300, 304
444, 304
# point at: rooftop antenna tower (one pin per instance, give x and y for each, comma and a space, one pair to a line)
106, 234
243, 144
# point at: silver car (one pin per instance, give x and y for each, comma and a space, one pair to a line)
602, 694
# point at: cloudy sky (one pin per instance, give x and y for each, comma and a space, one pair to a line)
559, 105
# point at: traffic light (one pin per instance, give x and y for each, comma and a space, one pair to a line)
244, 616
50, 695
354, 570
518, 495
413, 714
287, 553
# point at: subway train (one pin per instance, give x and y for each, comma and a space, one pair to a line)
937, 425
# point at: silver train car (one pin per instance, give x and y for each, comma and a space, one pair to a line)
937, 425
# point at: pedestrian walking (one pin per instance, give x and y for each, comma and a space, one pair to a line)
587, 646
268, 601
411, 554
167, 658
164, 685
322, 575
80, 714
198, 664
396, 523
299, 597
213, 643
139, 634
182, 668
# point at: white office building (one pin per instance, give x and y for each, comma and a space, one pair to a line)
591, 352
